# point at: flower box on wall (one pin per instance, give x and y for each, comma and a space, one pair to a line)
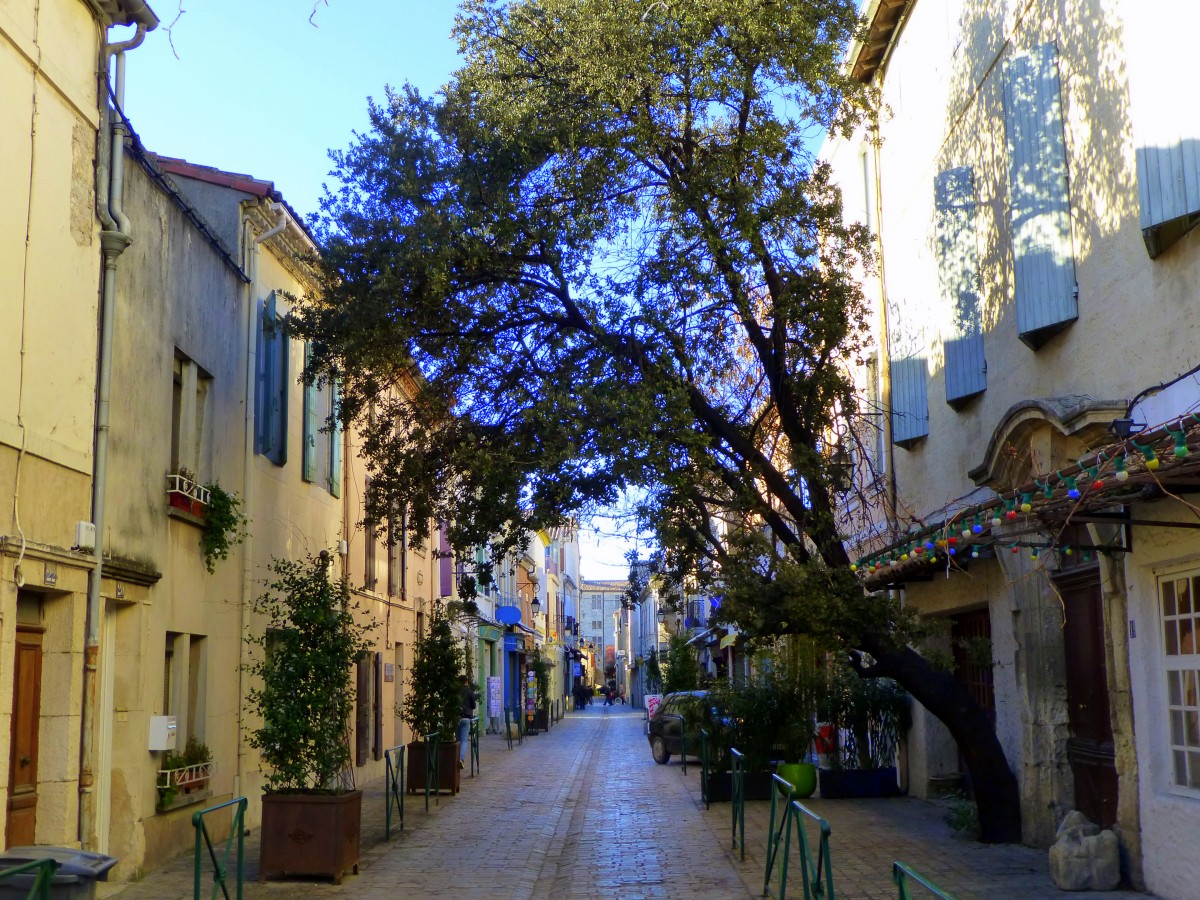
183, 493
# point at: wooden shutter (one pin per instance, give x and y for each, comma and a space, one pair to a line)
362, 710
312, 425
908, 376
335, 440
262, 388
280, 387
1043, 261
958, 279
445, 563
1165, 124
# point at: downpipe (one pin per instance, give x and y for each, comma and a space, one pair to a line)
113, 242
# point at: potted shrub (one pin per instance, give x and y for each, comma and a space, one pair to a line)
540, 666
797, 679
433, 703
868, 716
304, 697
184, 773
744, 716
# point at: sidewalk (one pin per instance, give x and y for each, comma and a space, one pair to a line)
583, 812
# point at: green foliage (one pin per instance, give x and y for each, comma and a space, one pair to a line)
302, 665
796, 680
541, 669
603, 257
224, 524
682, 667
654, 677
195, 752
870, 713
963, 816
434, 699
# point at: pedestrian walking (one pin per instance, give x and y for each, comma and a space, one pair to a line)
621, 694
469, 698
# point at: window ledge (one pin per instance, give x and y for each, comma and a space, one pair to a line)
185, 800
183, 515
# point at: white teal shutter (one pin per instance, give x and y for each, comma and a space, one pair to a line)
958, 279
312, 425
1043, 260
335, 440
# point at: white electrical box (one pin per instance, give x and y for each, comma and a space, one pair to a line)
85, 536
162, 732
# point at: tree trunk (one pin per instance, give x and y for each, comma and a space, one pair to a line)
996, 792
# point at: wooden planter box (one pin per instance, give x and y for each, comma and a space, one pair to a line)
310, 835
449, 774
840, 784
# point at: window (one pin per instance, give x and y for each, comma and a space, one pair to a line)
597, 601
394, 537
184, 677
189, 402
597, 625
271, 390
1181, 663
321, 450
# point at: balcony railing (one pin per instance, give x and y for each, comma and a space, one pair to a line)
184, 493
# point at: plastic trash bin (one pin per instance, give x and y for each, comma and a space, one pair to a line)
76, 877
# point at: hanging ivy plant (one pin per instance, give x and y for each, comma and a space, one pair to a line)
224, 524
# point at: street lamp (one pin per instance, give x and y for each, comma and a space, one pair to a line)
662, 615
536, 606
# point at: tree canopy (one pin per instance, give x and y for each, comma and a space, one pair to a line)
605, 255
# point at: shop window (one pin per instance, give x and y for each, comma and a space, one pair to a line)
1180, 616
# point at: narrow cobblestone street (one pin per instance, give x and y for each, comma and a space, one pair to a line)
583, 812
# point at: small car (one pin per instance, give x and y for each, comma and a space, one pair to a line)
664, 730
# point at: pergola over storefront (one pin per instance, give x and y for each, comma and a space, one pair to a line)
1040, 514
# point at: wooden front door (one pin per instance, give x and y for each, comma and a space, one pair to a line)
1090, 746
27, 702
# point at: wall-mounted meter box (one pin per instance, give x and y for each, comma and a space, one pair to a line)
162, 732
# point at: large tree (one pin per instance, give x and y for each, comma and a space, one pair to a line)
604, 256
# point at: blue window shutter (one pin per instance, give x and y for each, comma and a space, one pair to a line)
910, 400
277, 386
335, 441
958, 279
308, 449
263, 407
1040, 210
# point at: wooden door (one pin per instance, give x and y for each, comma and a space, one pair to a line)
1090, 746
27, 702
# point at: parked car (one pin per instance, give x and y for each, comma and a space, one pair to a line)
664, 730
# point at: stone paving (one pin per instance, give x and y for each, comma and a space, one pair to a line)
583, 812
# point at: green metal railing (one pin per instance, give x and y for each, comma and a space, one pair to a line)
220, 867
44, 870
393, 788
901, 875
816, 875
474, 749
433, 768
705, 764
738, 807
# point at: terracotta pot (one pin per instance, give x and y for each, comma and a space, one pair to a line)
313, 835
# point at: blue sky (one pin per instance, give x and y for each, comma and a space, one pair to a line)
250, 86
259, 90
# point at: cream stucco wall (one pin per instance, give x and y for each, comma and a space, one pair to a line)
943, 106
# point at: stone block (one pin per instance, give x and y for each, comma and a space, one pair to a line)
1085, 858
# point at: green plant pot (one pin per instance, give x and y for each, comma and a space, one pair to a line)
801, 776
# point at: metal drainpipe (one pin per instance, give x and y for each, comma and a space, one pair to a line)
113, 244
250, 266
